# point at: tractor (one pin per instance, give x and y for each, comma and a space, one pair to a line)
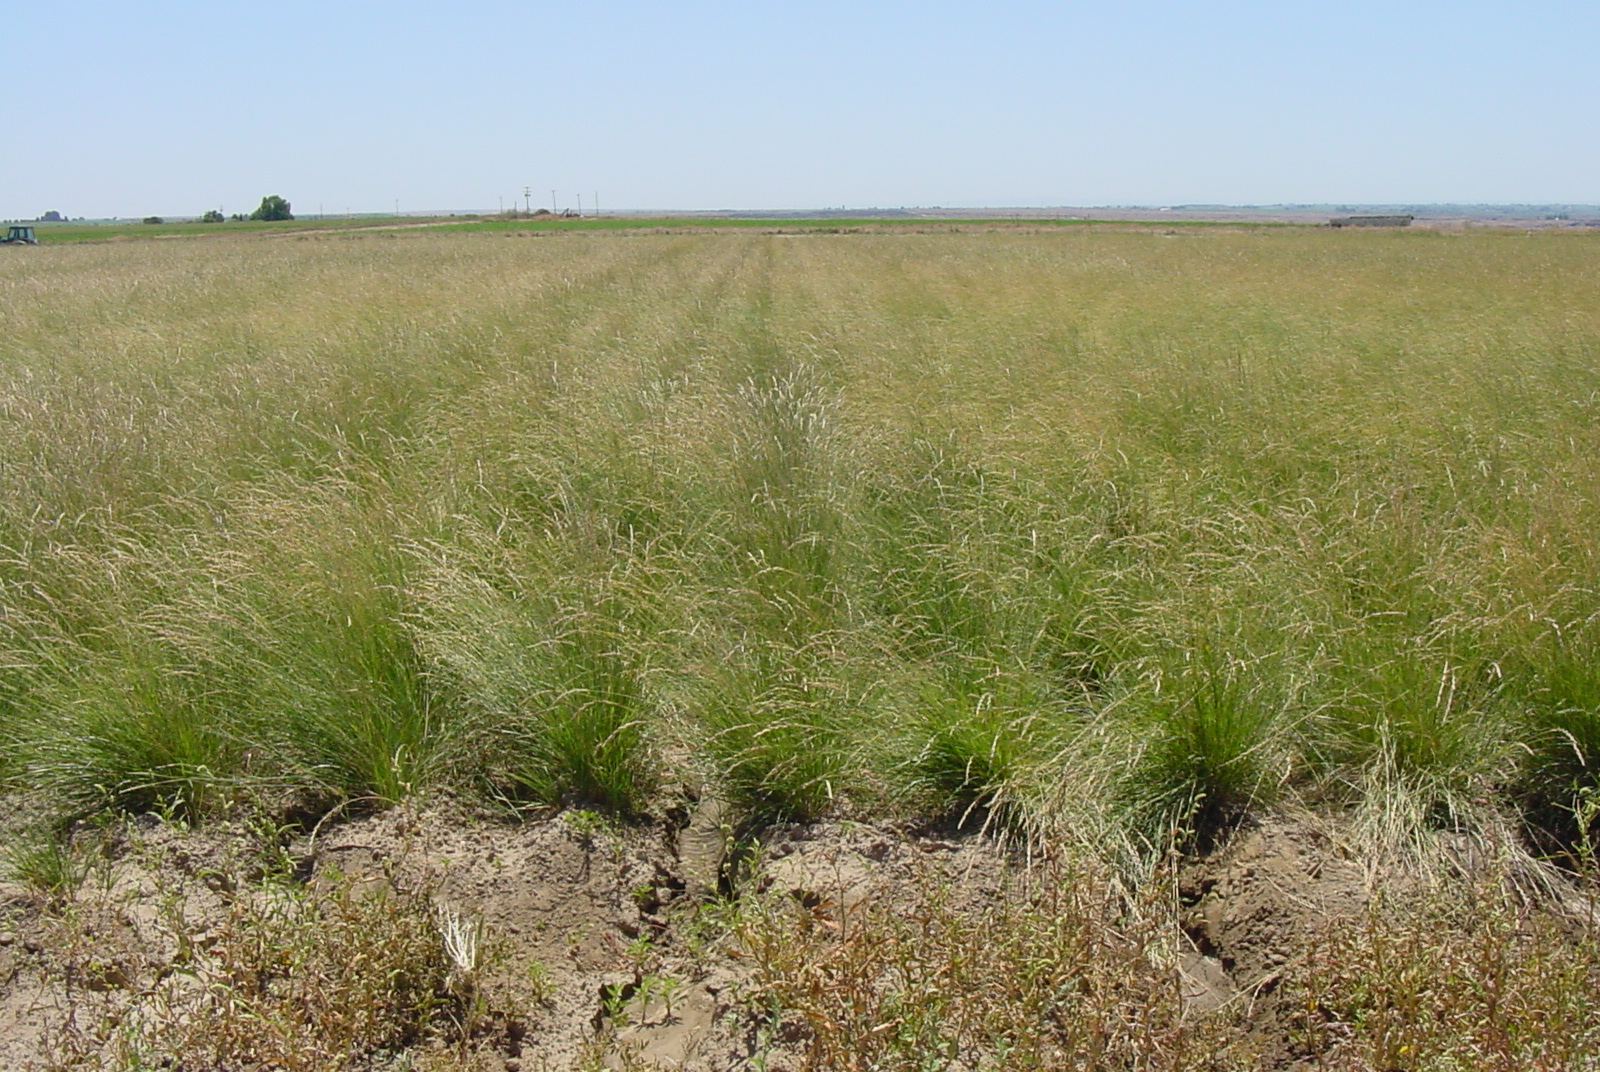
19, 236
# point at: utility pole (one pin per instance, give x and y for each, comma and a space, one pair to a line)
527, 198
553, 210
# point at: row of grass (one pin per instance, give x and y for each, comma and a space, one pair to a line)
1080, 526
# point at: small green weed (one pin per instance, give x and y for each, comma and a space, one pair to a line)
52, 867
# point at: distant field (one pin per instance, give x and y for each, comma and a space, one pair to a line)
1107, 537
807, 224
53, 233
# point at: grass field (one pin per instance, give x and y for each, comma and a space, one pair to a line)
859, 521
1106, 534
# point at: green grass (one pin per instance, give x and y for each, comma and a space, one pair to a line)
553, 685
1068, 520
1214, 741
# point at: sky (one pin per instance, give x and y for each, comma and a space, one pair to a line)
128, 108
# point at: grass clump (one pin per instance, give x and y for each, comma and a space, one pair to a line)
973, 752
583, 736
136, 740
114, 709
48, 863
551, 681
367, 724
314, 618
1554, 683
774, 726
1217, 741
1414, 734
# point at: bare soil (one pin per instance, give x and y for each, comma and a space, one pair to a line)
1253, 911
604, 945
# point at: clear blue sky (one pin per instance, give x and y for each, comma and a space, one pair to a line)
168, 107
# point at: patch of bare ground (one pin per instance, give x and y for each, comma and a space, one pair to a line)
1466, 955
581, 959
566, 942
633, 946
431, 938
1253, 911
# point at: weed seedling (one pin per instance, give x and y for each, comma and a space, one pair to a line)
52, 868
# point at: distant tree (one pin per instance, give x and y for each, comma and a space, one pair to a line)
212, 216
237, 217
154, 219
51, 217
272, 207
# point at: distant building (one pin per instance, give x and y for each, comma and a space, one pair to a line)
1371, 221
